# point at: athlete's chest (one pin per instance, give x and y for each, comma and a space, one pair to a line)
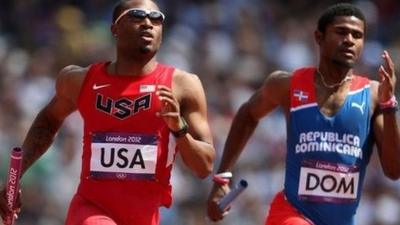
331, 101
123, 102
108, 97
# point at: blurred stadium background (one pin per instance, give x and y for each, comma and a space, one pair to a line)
231, 44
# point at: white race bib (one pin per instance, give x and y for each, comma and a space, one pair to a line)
123, 156
328, 182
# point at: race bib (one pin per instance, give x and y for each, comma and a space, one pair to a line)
123, 156
328, 182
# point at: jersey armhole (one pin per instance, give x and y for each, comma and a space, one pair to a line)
88, 77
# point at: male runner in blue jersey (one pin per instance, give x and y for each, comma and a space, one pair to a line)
333, 119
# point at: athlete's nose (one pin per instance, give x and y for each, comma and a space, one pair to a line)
147, 22
349, 39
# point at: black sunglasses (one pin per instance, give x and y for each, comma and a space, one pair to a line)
140, 14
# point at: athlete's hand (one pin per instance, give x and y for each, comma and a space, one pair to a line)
4, 210
213, 211
388, 78
170, 109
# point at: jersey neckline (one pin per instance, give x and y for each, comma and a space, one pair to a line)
139, 76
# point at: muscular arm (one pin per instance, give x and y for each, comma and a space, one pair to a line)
196, 148
46, 124
387, 136
41, 134
36, 143
273, 93
386, 128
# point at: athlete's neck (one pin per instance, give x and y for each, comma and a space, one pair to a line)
129, 68
334, 77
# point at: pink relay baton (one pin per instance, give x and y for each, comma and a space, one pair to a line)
14, 174
232, 195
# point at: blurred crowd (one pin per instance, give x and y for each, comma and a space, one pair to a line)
231, 44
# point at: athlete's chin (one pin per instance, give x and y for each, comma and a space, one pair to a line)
147, 50
348, 63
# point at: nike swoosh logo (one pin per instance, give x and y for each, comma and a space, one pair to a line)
97, 87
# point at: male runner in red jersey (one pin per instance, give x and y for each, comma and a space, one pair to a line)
136, 112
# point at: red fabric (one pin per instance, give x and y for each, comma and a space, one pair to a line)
303, 83
219, 180
83, 212
282, 213
125, 200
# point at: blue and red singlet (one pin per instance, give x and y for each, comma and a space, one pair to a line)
327, 155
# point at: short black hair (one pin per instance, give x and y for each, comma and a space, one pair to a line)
119, 7
340, 9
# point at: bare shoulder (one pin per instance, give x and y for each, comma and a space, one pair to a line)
186, 85
72, 72
280, 74
278, 77
69, 81
374, 85
374, 92
184, 77
277, 84
273, 93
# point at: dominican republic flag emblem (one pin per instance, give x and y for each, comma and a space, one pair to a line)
300, 95
147, 88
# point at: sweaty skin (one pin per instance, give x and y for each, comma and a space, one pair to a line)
137, 42
340, 48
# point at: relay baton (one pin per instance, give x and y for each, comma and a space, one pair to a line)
14, 174
232, 195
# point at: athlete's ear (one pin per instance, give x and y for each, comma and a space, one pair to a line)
318, 36
113, 29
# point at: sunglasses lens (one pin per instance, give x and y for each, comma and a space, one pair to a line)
156, 16
138, 14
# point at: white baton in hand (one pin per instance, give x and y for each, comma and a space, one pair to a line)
232, 195
14, 174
